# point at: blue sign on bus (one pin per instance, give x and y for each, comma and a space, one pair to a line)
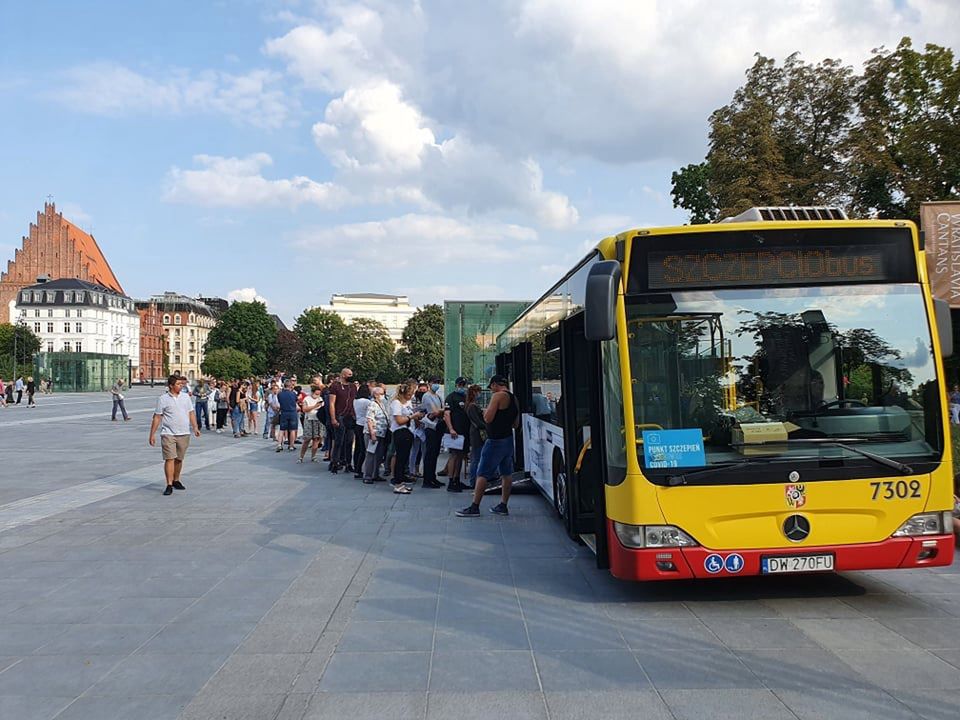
673, 448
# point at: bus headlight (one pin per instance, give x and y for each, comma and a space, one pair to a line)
652, 536
933, 523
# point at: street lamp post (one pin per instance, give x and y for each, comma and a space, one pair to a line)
20, 324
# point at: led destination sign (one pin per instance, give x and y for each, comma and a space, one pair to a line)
774, 266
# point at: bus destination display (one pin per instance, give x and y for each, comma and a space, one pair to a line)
767, 266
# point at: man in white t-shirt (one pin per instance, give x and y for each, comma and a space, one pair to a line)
176, 419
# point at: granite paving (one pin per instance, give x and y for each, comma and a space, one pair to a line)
272, 590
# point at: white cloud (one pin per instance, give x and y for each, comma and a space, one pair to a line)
424, 241
373, 128
239, 182
623, 82
110, 89
381, 142
75, 214
350, 53
246, 295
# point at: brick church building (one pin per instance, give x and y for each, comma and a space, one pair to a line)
55, 248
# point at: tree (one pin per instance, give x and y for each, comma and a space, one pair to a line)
18, 345
877, 144
247, 327
690, 188
372, 350
287, 353
325, 338
780, 141
227, 364
906, 148
421, 354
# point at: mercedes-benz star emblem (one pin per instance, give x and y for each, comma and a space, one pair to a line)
796, 528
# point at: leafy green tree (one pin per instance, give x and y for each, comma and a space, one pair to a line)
287, 353
26, 342
247, 327
690, 188
878, 144
21, 339
227, 364
906, 148
747, 167
372, 349
780, 141
421, 354
325, 338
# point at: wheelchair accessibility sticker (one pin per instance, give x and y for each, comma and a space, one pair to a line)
732, 563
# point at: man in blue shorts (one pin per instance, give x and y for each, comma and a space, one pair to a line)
289, 420
502, 417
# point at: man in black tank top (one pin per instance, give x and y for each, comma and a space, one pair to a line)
502, 417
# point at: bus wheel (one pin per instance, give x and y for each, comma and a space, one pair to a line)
560, 495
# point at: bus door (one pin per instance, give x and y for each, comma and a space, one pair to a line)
521, 379
583, 514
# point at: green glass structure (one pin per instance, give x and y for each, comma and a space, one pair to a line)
81, 371
470, 331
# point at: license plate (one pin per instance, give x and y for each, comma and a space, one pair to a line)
772, 565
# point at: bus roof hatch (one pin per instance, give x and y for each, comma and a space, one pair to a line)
758, 214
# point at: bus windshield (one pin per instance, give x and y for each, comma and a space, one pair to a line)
788, 373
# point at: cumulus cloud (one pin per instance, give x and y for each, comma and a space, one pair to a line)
111, 89
380, 140
352, 50
246, 295
421, 240
76, 214
625, 82
239, 182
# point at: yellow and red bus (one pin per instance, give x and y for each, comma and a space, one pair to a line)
761, 395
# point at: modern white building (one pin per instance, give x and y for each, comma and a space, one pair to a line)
70, 315
393, 311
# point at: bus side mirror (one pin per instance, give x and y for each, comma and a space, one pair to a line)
941, 309
600, 302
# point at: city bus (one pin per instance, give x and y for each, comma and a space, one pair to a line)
757, 396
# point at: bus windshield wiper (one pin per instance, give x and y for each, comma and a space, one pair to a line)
842, 444
681, 479
880, 459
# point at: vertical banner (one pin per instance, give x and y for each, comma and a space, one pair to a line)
940, 222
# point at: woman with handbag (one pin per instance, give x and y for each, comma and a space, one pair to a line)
376, 425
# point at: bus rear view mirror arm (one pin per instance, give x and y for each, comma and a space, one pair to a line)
944, 327
600, 303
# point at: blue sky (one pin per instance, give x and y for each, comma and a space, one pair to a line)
291, 150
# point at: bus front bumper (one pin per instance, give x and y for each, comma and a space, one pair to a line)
693, 562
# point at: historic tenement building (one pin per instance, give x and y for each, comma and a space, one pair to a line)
54, 248
186, 323
153, 341
70, 315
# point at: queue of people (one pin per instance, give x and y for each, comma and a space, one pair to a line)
364, 429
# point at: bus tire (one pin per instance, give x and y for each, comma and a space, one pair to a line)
561, 487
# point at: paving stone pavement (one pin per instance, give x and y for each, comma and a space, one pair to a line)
270, 590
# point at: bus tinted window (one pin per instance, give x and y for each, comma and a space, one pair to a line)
796, 367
